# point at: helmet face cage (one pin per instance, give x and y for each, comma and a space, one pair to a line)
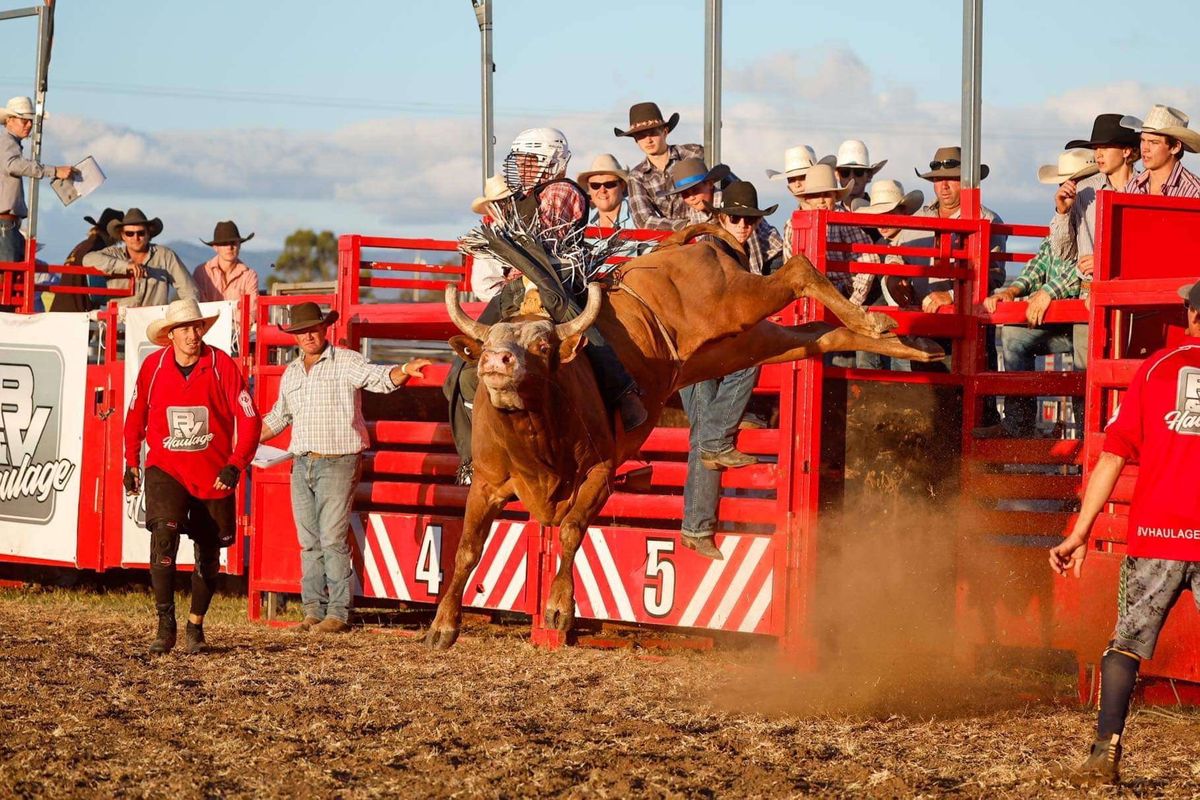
537, 155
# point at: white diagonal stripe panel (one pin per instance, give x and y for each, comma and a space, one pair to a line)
740, 578
611, 575
704, 590
759, 606
511, 536
515, 585
389, 557
368, 555
584, 567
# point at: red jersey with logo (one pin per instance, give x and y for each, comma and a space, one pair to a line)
1158, 426
189, 423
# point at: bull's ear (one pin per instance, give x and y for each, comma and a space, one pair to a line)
570, 347
468, 349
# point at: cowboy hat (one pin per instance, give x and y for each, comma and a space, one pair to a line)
852, 154
1166, 121
740, 199
1072, 165
888, 197
797, 161
134, 216
226, 232
690, 172
106, 216
605, 164
947, 163
495, 188
307, 316
180, 312
21, 107
644, 116
1190, 292
1107, 131
820, 180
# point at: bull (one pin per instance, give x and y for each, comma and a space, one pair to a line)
687, 312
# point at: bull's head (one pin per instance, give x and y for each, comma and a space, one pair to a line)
514, 357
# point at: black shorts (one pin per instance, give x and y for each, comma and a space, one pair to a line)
205, 521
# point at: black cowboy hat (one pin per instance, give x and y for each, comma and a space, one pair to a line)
306, 316
690, 172
134, 216
644, 116
227, 232
106, 216
947, 163
1108, 131
740, 199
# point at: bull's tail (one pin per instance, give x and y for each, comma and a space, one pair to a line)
682, 237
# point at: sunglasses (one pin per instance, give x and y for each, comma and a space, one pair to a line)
596, 186
736, 219
844, 172
134, 234
949, 163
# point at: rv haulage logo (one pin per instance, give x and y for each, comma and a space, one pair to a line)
30, 466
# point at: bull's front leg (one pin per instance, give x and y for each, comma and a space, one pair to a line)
484, 503
593, 494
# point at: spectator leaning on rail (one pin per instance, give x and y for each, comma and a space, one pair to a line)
607, 184
650, 203
1045, 278
188, 403
18, 122
97, 239
1158, 427
319, 397
153, 268
1165, 137
888, 197
225, 276
855, 171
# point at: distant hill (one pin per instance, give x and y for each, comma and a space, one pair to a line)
193, 254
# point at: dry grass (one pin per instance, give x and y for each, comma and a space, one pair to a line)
273, 713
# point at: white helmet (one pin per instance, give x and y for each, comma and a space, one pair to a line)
548, 145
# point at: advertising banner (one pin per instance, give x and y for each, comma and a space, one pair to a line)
43, 371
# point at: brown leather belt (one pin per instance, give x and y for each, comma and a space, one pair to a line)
311, 454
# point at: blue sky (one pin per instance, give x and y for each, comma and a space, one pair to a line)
363, 117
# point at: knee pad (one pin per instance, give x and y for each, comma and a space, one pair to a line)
164, 543
208, 562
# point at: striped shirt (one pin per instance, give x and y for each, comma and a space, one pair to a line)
324, 405
1073, 235
855, 286
649, 206
1058, 277
1180, 183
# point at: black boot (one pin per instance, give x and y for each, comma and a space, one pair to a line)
193, 638
165, 639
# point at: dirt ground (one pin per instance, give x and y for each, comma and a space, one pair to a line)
86, 712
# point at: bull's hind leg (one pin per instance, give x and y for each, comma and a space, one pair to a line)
559, 613
806, 281
483, 506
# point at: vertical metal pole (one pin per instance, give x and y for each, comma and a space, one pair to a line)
483, 15
712, 81
45, 31
972, 78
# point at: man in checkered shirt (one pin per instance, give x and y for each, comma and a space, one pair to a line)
651, 202
319, 398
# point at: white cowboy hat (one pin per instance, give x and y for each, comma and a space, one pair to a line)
494, 188
17, 107
820, 179
604, 164
888, 197
852, 154
797, 161
1072, 165
1166, 121
181, 312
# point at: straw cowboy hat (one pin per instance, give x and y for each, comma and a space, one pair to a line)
947, 163
797, 161
1107, 131
134, 216
852, 154
888, 197
1166, 121
690, 172
307, 316
1072, 165
226, 232
181, 312
495, 188
605, 164
740, 199
644, 116
821, 180
21, 107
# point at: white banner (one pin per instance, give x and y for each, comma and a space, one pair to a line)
43, 370
135, 540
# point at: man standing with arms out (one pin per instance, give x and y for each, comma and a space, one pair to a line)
188, 402
1165, 136
154, 269
225, 276
18, 124
319, 397
1158, 427
648, 181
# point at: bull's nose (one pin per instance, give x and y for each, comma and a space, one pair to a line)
496, 361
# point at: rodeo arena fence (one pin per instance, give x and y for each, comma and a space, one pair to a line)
64, 380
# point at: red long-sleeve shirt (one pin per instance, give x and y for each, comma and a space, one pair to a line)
189, 423
1158, 426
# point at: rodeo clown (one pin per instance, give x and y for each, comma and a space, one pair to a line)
189, 400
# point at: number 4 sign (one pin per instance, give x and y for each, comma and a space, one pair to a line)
429, 561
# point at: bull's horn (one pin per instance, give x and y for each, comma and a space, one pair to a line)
471, 327
586, 317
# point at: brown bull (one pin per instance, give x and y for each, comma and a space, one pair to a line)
687, 313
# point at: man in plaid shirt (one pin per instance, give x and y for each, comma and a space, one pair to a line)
651, 203
319, 397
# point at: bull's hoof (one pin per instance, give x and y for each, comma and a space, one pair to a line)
878, 325
438, 639
924, 350
558, 620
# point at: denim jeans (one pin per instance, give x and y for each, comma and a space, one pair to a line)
1020, 345
12, 241
322, 491
714, 409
